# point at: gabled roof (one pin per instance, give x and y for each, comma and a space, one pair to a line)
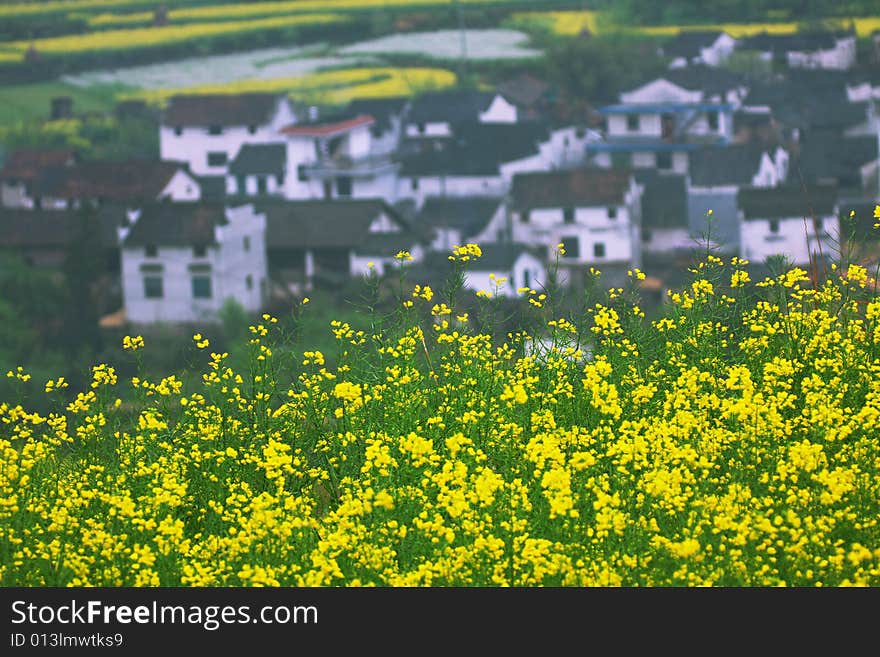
789, 201
25, 164
259, 159
451, 106
53, 229
221, 109
127, 180
831, 155
575, 188
468, 214
322, 224
177, 224
689, 43
328, 127
717, 166
664, 199
212, 187
710, 80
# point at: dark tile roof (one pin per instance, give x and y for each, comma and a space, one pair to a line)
689, 43
469, 214
716, 166
499, 258
576, 188
807, 41
220, 109
664, 199
451, 106
751, 119
54, 229
328, 224
127, 180
478, 149
255, 159
787, 201
388, 244
27, 164
831, 155
177, 224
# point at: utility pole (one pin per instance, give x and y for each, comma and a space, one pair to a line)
460, 15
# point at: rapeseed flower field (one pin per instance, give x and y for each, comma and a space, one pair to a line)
732, 441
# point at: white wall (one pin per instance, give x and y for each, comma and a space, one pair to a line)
432, 129
661, 91
449, 186
649, 126
757, 242
499, 111
842, 57
230, 265
668, 240
478, 279
182, 187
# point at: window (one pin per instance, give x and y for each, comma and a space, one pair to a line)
178, 131
647, 235
153, 287
252, 129
201, 286
343, 186
579, 132
249, 282
571, 246
524, 216
414, 184
151, 251
217, 159
599, 249
241, 185
527, 278
568, 215
664, 161
246, 243
632, 122
774, 226
215, 130
301, 173
612, 212
200, 251
421, 128
262, 187
712, 118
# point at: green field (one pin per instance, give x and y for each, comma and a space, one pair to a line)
29, 102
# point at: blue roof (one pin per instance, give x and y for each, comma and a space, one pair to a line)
651, 108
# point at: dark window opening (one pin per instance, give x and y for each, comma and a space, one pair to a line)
343, 186
252, 129
201, 287
301, 173
525, 216
632, 122
647, 235
667, 126
414, 184
215, 130
153, 287
599, 250
246, 243
712, 118
664, 161
178, 131
151, 251
774, 226
200, 251
612, 212
217, 159
568, 215
421, 128
527, 278
241, 185
262, 186
571, 246
249, 282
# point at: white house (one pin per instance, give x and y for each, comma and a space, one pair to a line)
130, 182
716, 175
182, 261
518, 264
816, 49
453, 221
689, 47
333, 240
207, 131
799, 223
665, 228
334, 158
258, 170
594, 213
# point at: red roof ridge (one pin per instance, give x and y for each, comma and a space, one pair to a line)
325, 129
